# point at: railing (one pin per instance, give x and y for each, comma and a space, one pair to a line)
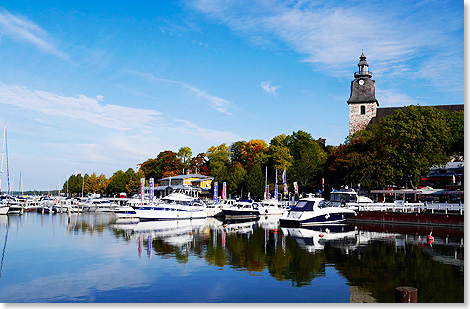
414, 207
363, 73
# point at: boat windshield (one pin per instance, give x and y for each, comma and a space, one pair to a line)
323, 204
304, 206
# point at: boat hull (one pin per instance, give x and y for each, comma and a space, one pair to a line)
320, 219
156, 213
4, 210
233, 213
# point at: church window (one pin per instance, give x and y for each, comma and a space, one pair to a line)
363, 110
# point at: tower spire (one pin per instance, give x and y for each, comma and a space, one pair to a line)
363, 67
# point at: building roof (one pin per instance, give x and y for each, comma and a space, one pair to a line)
386, 111
187, 176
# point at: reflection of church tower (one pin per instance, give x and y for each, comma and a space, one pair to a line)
362, 102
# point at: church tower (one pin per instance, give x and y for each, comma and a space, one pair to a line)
362, 102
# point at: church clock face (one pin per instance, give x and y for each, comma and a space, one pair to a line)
361, 82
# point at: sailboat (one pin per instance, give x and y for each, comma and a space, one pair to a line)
4, 202
8, 204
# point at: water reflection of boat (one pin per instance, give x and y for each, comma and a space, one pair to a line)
314, 238
314, 210
269, 222
173, 232
240, 225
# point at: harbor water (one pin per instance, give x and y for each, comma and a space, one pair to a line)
96, 258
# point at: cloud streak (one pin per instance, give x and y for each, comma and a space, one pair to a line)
331, 35
268, 88
84, 108
20, 28
219, 104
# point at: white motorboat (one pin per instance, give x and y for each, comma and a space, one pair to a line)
171, 207
313, 210
4, 209
242, 209
16, 207
349, 198
98, 204
270, 207
215, 210
125, 212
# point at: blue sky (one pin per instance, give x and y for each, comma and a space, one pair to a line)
98, 86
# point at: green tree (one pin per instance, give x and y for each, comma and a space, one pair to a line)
236, 178
236, 152
309, 158
455, 122
96, 184
414, 139
255, 181
134, 181
118, 182
219, 159
151, 169
184, 154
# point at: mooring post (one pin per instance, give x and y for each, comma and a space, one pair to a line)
406, 294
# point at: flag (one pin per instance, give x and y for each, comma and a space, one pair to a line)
285, 188
296, 188
142, 185
284, 176
151, 191
275, 191
216, 189
267, 192
276, 175
224, 190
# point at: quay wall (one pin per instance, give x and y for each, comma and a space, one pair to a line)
450, 219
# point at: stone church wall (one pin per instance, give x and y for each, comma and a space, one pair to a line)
357, 121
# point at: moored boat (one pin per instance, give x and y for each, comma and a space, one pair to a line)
313, 210
242, 209
270, 207
172, 207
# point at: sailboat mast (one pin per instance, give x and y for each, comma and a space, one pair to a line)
3, 154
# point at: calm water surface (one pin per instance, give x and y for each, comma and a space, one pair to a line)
96, 258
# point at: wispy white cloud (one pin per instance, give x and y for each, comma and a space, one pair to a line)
20, 28
331, 35
219, 104
392, 98
87, 109
215, 136
269, 88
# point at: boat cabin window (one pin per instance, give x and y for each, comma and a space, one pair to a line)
323, 204
304, 206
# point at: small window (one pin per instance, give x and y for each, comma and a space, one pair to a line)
363, 110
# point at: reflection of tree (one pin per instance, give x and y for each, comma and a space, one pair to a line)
381, 267
295, 264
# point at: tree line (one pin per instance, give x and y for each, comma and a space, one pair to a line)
397, 151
